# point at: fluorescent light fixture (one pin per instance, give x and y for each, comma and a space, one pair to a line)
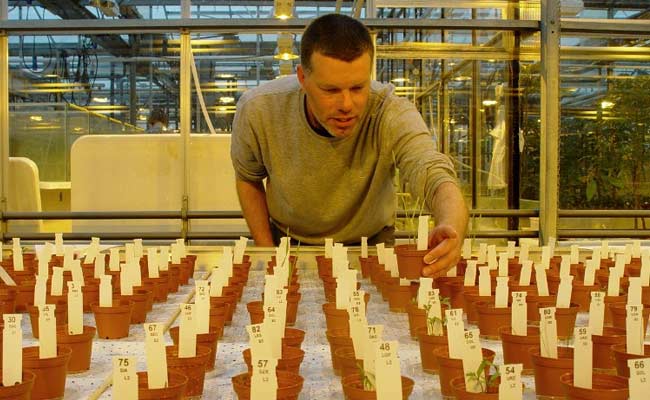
283, 9
400, 80
462, 78
100, 99
142, 117
605, 104
225, 76
488, 103
226, 99
36, 118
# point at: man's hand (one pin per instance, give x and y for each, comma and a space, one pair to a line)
446, 245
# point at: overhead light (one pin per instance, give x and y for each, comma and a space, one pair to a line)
283, 9
488, 103
100, 99
285, 49
226, 99
605, 104
50, 76
36, 118
462, 78
400, 80
142, 117
225, 76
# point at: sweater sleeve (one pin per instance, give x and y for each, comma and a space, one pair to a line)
245, 148
422, 168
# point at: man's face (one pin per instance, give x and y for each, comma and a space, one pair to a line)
337, 92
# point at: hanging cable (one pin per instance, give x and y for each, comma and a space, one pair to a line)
199, 94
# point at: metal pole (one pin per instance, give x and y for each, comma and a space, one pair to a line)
185, 116
4, 114
513, 115
474, 125
550, 110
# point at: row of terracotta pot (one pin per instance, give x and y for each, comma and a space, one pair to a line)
289, 380
344, 360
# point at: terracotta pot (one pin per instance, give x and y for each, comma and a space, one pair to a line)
490, 319
324, 266
113, 322
292, 308
461, 393
289, 385
231, 303
337, 338
24, 295
60, 313
161, 288
256, 311
349, 363
366, 264
50, 372
175, 390
608, 313
619, 314
139, 300
209, 340
293, 337
602, 277
20, 391
603, 357
81, 346
451, 368
410, 261
471, 298
90, 295
581, 294
8, 299
290, 361
532, 306
428, 345
453, 288
621, 356
516, 349
148, 288
604, 387
399, 297
335, 318
353, 388
565, 318
192, 367
417, 319
218, 317
173, 279
549, 370
375, 268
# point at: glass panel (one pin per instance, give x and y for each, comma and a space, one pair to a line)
65, 89
94, 9
605, 129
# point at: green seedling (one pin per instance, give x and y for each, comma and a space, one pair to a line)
482, 377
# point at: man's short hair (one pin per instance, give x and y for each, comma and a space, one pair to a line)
337, 36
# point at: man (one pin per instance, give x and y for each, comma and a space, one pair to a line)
327, 142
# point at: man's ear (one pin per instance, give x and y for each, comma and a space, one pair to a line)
300, 72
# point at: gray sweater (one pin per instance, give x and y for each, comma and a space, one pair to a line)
341, 188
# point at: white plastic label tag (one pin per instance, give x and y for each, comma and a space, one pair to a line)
634, 328
510, 387
75, 309
46, 331
470, 273
526, 272
582, 357
597, 313
388, 380
264, 382
472, 358
455, 332
548, 332
519, 315
155, 355
125, 378
639, 378
187, 332
12, 345
423, 232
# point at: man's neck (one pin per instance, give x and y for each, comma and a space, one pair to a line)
314, 124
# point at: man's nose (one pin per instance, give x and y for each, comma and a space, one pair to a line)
346, 101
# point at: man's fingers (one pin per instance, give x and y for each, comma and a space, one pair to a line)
442, 248
440, 266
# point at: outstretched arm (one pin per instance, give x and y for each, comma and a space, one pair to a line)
446, 239
252, 197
